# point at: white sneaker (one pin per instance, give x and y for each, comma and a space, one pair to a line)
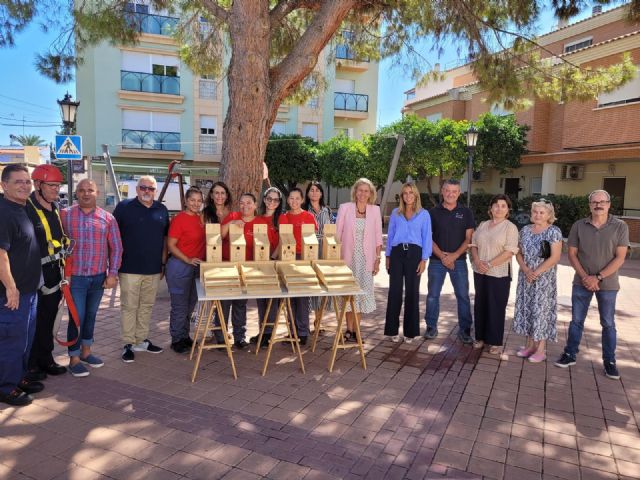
146, 346
408, 340
396, 338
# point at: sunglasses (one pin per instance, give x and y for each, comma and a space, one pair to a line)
271, 199
544, 200
144, 188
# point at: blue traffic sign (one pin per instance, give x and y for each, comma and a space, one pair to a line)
68, 147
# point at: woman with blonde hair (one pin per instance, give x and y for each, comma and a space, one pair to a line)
408, 249
359, 228
536, 296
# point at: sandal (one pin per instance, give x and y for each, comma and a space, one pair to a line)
494, 350
349, 336
537, 358
525, 352
478, 344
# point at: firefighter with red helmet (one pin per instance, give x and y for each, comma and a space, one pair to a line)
42, 209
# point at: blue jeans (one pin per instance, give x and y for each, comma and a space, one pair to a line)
17, 328
580, 300
86, 292
460, 280
181, 280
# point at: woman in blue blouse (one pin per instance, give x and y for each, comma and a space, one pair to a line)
408, 248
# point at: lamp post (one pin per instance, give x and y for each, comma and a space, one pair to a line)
68, 110
472, 140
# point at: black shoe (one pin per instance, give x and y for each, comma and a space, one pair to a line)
30, 387
465, 338
431, 333
54, 369
188, 341
611, 371
147, 346
127, 354
241, 344
35, 375
180, 346
303, 340
265, 339
565, 361
16, 398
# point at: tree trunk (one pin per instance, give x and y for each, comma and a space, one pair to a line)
248, 121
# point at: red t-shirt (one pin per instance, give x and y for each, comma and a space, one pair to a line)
189, 231
248, 233
297, 221
272, 233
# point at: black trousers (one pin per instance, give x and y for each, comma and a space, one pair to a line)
490, 306
402, 272
41, 351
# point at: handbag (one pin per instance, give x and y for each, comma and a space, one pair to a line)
545, 249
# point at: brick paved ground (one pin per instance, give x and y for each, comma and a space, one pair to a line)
431, 409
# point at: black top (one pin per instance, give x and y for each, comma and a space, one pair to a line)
143, 231
18, 239
449, 227
50, 271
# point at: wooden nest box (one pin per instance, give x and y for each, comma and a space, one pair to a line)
237, 243
214, 243
287, 247
330, 244
310, 247
261, 246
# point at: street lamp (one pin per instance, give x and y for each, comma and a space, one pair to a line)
68, 110
472, 140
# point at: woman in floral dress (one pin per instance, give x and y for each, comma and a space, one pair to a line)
536, 296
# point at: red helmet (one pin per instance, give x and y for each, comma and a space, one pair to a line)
47, 173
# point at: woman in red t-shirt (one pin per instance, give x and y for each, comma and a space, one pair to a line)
186, 244
296, 216
271, 210
245, 218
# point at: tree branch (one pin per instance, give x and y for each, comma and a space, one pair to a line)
285, 7
304, 56
216, 10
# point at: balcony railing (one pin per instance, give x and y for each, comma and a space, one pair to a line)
345, 52
148, 82
149, 23
352, 102
147, 140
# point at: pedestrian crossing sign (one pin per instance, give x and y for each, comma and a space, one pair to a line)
68, 147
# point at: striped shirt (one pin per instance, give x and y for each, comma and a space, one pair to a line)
322, 218
98, 246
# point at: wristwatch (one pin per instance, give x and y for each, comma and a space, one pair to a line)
599, 276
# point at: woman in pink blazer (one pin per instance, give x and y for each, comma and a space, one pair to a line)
359, 229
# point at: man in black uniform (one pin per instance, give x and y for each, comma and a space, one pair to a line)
20, 277
43, 212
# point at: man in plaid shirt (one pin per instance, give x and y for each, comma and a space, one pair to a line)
92, 267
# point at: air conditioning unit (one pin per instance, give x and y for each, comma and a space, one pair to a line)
479, 176
572, 172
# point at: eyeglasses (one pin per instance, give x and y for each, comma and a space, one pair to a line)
22, 182
145, 188
51, 185
271, 199
601, 202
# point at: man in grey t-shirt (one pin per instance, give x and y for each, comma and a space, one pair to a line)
597, 248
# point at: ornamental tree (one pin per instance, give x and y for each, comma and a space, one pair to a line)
291, 160
267, 48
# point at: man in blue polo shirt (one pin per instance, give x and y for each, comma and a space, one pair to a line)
452, 225
143, 224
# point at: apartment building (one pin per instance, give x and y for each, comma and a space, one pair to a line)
150, 108
574, 147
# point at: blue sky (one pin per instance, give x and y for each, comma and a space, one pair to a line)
29, 99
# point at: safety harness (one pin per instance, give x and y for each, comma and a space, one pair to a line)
65, 246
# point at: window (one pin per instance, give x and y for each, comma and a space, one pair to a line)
313, 102
156, 64
208, 125
345, 86
166, 70
150, 121
536, 186
578, 44
310, 130
499, 110
434, 117
628, 93
279, 128
411, 94
136, 8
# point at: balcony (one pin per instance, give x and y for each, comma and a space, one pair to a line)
154, 24
351, 105
147, 140
150, 83
346, 59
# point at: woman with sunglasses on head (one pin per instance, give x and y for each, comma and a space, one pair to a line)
494, 242
270, 209
536, 295
246, 218
187, 245
297, 217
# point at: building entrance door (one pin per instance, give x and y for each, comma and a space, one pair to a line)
615, 186
512, 188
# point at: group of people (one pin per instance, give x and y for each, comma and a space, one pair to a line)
597, 247
84, 249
